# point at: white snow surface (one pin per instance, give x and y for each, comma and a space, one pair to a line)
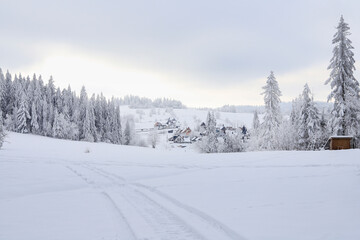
60, 189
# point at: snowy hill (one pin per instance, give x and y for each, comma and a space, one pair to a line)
59, 189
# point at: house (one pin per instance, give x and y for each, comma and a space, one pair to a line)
186, 131
159, 125
171, 123
339, 142
223, 129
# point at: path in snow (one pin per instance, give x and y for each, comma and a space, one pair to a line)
146, 213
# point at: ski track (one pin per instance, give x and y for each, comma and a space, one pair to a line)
163, 214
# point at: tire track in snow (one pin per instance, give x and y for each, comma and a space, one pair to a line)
126, 230
214, 228
146, 218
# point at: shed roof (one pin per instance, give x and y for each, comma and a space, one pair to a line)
341, 137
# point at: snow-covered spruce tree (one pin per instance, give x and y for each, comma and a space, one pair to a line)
309, 122
83, 102
345, 88
116, 126
87, 129
2, 93
34, 124
256, 121
324, 130
23, 116
128, 136
58, 126
272, 117
209, 143
2, 130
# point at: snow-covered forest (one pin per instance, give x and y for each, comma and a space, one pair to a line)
30, 106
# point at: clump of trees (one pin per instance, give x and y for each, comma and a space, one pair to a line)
307, 128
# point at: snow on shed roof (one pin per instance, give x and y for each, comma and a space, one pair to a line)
348, 136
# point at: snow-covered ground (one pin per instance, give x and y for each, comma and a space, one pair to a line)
58, 189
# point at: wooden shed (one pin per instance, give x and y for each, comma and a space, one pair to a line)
340, 142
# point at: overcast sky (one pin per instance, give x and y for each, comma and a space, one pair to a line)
204, 53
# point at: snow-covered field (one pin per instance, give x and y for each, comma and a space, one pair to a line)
58, 189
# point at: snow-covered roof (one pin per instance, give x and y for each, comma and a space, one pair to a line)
348, 136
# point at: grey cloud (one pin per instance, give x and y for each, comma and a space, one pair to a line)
218, 41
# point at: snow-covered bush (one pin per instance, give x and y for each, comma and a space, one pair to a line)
209, 143
233, 142
153, 138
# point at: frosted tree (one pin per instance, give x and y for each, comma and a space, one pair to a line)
87, 128
83, 102
128, 135
272, 116
2, 93
62, 128
309, 122
209, 143
58, 126
46, 126
256, 121
345, 88
153, 138
22, 115
233, 142
8, 94
116, 126
2, 130
34, 124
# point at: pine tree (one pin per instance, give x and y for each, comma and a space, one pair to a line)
2, 130
8, 94
309, 127
256, 121
83, 102
345, 88
23, 115
117, 132
127, 133
2, 94
87, 134
34, 119
57, 127
209, 143
45, 127
272, 117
